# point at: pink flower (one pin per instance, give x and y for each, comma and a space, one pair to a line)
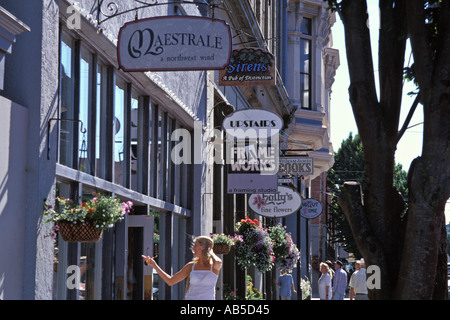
260, 201
53, 235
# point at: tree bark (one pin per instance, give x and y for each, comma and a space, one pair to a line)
408, 251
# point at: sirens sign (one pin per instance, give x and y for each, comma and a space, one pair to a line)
174, 43
249, 67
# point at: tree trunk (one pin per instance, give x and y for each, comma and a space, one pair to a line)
408, 251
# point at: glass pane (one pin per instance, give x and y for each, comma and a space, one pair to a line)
85, 107
306, 26
87, 271
67, 102
119, 130
156, 246
159, 164
304, 91
134, 144
135, 265
101, 84
305, 51
89, 281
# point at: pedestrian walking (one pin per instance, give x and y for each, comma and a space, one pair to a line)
340, 281
325, 288
358, 282
202, 272
286, 285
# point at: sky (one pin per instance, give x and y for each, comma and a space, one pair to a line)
342, 121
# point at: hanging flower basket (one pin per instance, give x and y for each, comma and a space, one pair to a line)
221, 249
256, 247
79, 232
86, 221
223, 243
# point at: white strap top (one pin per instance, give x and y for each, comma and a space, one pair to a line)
202, 285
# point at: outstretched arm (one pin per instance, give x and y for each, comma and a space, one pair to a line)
170, 280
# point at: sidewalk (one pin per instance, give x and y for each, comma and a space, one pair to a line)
315, 296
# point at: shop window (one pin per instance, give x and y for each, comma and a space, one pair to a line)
134, 145
119, 126
85, 111
67, 104
305, 64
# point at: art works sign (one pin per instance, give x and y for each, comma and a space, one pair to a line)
285, 202
252, 151
174, 43
249, 67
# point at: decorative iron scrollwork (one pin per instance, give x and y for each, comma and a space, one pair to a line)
107, 9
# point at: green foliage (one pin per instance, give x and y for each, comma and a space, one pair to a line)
349, 166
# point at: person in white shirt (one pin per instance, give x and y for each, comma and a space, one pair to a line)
325, 282
202, 272
358, 282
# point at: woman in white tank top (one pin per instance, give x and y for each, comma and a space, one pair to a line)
202, 272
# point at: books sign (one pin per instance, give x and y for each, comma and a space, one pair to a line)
285, 202
296, 166
174, 43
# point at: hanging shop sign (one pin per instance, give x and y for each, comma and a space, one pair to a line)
174, 43
285, 202
249, 67
311, 209
252, 124
248, 183
252, 169
298, 166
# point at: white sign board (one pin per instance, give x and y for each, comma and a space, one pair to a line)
285, 202
174, 43
311, 208
252, 124
296, 166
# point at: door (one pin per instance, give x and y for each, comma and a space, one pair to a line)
140, 241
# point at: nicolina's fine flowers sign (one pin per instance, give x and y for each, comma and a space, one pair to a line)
174, 43
282, 203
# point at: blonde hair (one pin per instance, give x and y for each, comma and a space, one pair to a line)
327, 268
208, 243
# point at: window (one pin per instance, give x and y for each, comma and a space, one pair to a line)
134, 143
119, 125
86, 111
67, 106
305, 63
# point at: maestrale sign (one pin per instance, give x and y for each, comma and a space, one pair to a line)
175, 43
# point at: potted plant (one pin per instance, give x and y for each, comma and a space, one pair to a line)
256, 247
223, 243
85, 221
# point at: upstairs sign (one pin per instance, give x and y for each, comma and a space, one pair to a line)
174, 43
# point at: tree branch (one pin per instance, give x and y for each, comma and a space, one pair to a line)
420, 44
391, 56
408, 118
351, 203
